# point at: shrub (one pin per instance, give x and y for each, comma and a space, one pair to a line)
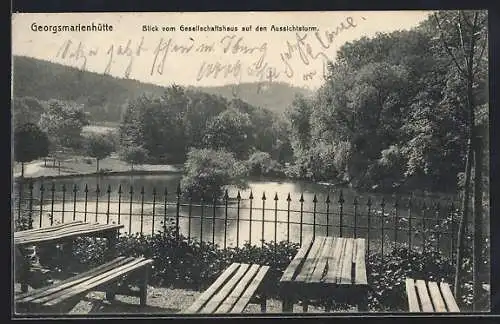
261, 163
206, 171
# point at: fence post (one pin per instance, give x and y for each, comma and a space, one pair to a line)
214, 203
275, 219
97, 192
20, 199
165, 205
131, 192
250, 218
42, 190
327, 202
437, 232
263, 217
202, 200
315, 201
424, 224
119, 203
108, 191
288, 200
53, 191
30, 215
301, 215
75, 189
190, 211
177, 211
396, 221
341, 206
369, 205
409, 224
382, 220
355, 204
452, 230
238, 198
86, 190
63, 202
226, 198
154, 209
142, 209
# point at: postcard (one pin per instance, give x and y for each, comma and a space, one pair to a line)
250, 162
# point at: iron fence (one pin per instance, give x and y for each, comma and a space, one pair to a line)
234, 220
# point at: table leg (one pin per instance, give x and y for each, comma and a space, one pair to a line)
24, 271
112, 238
305, 306
363, 303
263, 303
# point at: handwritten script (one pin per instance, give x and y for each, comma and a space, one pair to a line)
229, 56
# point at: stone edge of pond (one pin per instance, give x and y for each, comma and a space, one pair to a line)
76, 175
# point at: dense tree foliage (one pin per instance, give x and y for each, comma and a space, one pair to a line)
134, 155
63, 122
169, 125
98, 146
392, 111
30, 143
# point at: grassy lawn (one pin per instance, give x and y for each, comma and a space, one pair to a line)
83, 165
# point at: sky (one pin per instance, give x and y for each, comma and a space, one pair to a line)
202, 58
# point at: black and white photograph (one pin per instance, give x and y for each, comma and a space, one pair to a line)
215, 163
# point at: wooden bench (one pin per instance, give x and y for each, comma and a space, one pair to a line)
63, 296
233, 290
429, 296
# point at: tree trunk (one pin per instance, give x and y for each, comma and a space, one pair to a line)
478, 219
132, 166
22, 170
463, 221
97, 165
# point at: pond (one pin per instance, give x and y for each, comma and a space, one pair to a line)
249, 220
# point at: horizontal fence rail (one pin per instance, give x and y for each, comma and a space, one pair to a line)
234, 219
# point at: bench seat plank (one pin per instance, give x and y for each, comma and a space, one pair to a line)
231, 300
45, 291
219, 297
205, 296
322, 260
448, 297
412, 295
99, 280
424, 296
437, 300
83, 283
249, 292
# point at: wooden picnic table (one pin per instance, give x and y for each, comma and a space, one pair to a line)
327, 268
62, 234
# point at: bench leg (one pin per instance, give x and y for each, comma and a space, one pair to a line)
111, 291
305, 306
24, 271
263, 303
144, 285
287, 305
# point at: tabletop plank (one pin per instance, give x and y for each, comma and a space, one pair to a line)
360, 277
323, 259
310, 261
346, 275
64, 233
47, 229
334, 261
295, 264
